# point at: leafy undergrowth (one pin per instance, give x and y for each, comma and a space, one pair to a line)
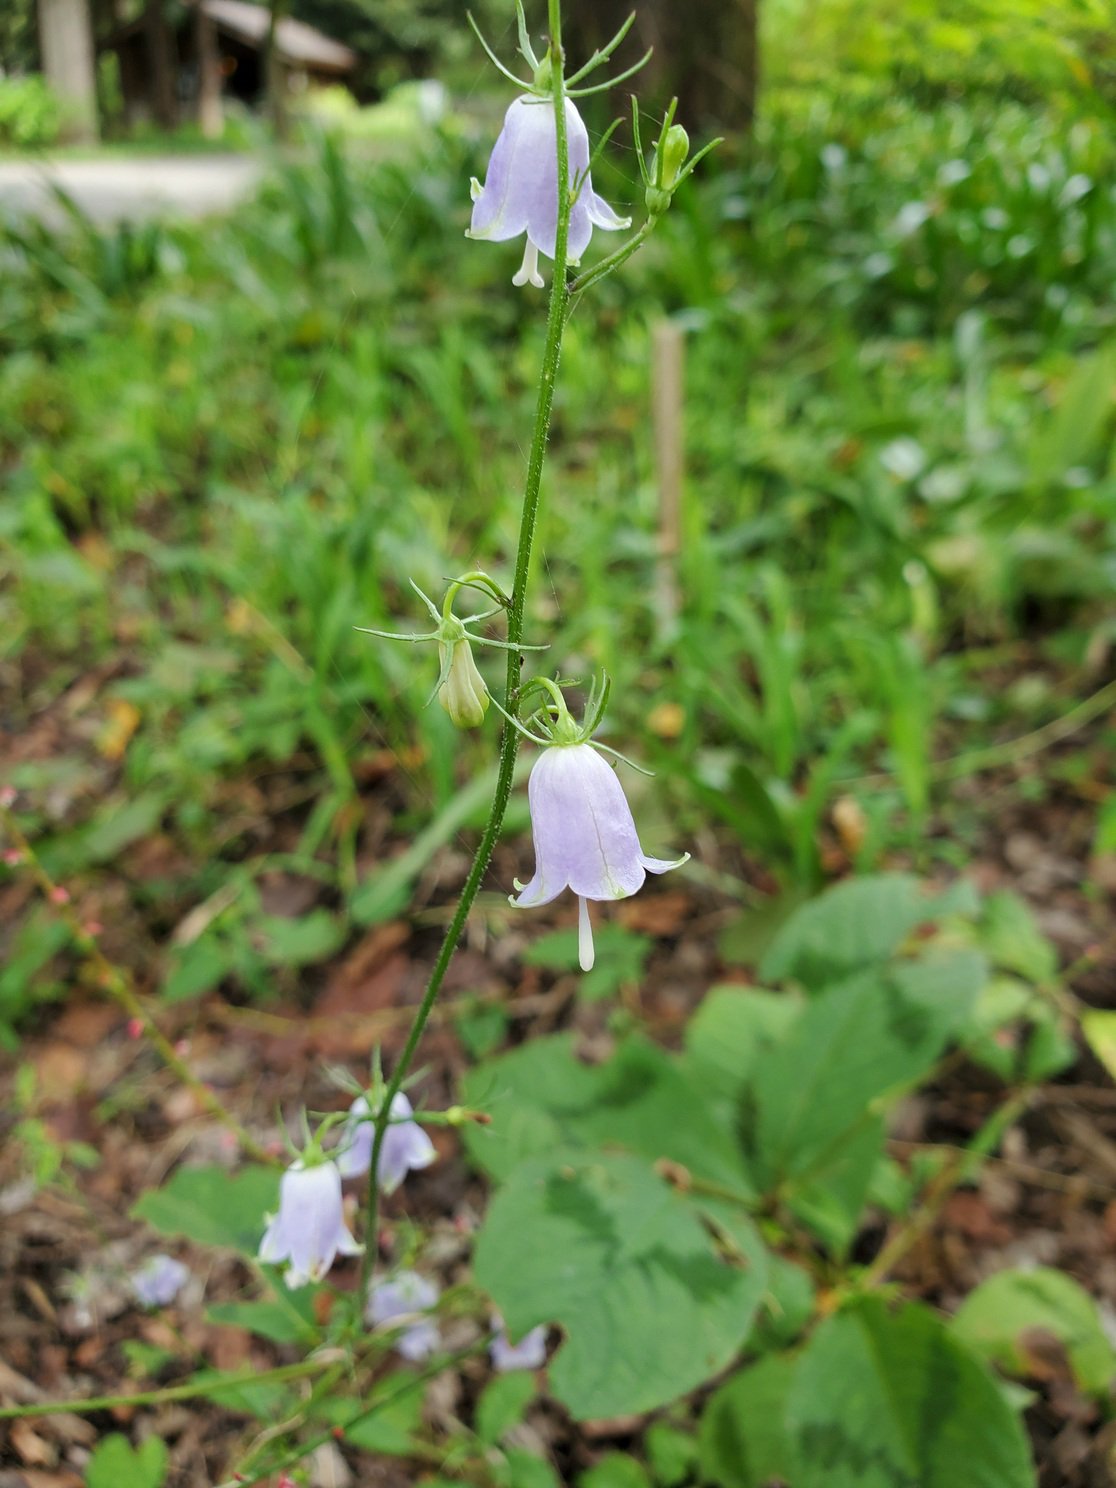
224, 448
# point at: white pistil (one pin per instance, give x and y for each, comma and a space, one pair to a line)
529, 269
585, 953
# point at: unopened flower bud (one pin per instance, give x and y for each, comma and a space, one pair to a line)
675, 148
656, 200
463, 694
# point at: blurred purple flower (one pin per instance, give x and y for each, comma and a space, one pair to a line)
520, 192
584, 835
528, 1353
405, 1145
405, 1295
309, 1231
159, 1280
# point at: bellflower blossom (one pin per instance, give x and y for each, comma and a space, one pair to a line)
309, 1231
520, 191
402, 1296
528, 1353
405, 1145
159, 1280
584, 836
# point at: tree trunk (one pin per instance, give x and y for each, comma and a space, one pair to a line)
160, 54
211, 120
66, 38
275, 76
706, 52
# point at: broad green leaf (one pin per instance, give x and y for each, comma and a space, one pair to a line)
856, 924
502, 1404
598, 1243
1013, 940
997, 1317
787, 1306
263, 1399
615, 1470
671, 1454
116, 827
832, 1200
858, 1041
115, 1463
731, 1032
283, 1318
540, 1096
213, 1206
742, 1441
525, 1470
891, 1400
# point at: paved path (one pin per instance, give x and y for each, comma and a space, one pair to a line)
144, 186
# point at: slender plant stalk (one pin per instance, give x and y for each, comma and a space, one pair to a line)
191, 1390
552, 350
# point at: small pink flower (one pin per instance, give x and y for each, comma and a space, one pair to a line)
59, 895
13, 857
135, 1028
93, 928
7, 796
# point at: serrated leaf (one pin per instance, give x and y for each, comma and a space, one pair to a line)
995, 1319
856, 924
891, 1400
197, 969
117, 1464
540, 1096
742, 1441
598, 1243
1014, 941
732, 1030
854, 1043
213, 1206
502, 1404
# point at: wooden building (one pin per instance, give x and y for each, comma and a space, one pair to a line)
169, 74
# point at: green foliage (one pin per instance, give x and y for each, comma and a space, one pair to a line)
116, 1464
600, 1244
213, 1206
30, 113
998, 1319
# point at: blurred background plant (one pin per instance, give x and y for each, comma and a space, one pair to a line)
225, 444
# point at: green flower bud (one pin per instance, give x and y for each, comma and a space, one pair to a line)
657, 200
463, 694
675, 148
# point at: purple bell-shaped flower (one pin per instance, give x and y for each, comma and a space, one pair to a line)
584, 835
309, 1232
405, 1145
520, 192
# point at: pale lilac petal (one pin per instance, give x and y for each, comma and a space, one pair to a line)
309, 1231
405, 1145
405, 1295
528, 1353
520, 192
663, 865
159, 1280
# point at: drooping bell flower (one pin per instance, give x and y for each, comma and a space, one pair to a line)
584, 835
159, 1280
520, 191
406, 1295
309, 1232
405, 1145
528, 1353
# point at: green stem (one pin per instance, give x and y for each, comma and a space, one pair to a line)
614, 260
552, 350
190, 1391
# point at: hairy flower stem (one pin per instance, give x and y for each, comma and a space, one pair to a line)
552, 350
